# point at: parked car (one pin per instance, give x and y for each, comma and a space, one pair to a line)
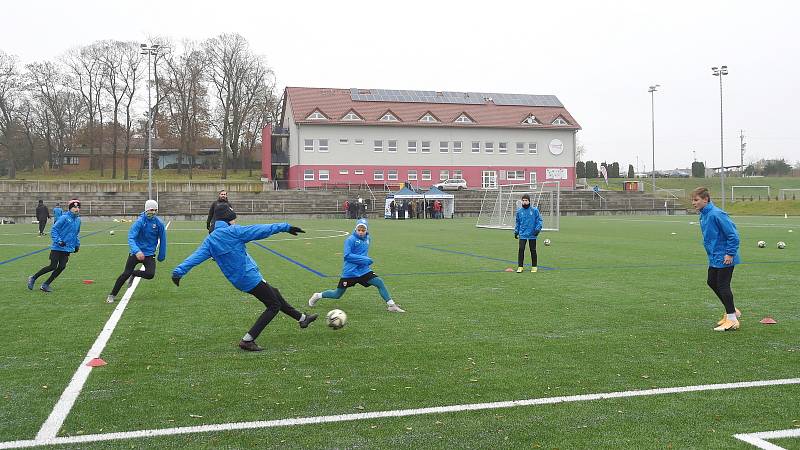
453, 184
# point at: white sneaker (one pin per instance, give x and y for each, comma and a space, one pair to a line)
314, 299
395, 308
110, 299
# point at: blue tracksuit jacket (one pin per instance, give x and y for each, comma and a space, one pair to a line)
529, 222
356, 261
145, 235
720, 237
66, 229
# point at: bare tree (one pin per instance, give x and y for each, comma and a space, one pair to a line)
260, 116
46, 83
85, 69
10, 93
131, 76
112, 57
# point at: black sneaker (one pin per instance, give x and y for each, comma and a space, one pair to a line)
308, 320
250, 346
130, 281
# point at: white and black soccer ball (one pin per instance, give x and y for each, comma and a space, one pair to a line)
762, 244
336, 318
111, 232
547, 242
781, 245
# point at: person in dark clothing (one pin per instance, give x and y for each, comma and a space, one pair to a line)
222, 198
65, 241
392, 208
42, 214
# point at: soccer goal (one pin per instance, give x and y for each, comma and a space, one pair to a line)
789, 194
748, 191
499, 206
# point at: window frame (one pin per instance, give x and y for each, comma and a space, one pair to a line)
306, 145
445, 148
377, 145
425, 148
409, 146
476, 146
426, 175
376, 174
308, 175
322, 148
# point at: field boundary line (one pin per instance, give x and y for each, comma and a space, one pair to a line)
760, 439
55, 420
47, 248
390, 413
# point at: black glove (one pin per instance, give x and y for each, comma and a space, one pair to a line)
536, 233
77, 249
516, 235
61, 243
177, 281
294, 230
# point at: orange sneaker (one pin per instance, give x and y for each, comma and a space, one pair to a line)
725, 317
728, 325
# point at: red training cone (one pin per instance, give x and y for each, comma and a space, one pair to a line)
509, 269
88, 281
96, 362
768, 321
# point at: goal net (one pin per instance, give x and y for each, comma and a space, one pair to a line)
748, 192
499, 206
789, 194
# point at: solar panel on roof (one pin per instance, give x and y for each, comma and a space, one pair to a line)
449, 97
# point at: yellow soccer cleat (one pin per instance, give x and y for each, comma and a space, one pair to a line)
728, 325
725, 317
519, 269
534, 269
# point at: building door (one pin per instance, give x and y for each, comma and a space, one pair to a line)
533, 179
489, 179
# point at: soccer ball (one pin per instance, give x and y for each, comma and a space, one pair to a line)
547, 242
762, 244
111, 232
336, 318
781, 245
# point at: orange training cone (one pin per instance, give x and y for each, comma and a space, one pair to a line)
96, 362
768, 321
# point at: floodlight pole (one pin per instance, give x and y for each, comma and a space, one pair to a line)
652, 91
151, 49
720, 72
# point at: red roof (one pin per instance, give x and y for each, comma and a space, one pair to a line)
336, 103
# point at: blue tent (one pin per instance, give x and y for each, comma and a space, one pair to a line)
448, 200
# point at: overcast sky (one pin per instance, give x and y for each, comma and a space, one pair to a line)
597, 57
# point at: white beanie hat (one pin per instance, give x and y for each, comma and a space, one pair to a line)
150, 204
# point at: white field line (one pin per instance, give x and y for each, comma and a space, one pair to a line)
56, 419
760, 439
392, 413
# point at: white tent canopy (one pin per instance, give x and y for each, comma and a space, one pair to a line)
448, 201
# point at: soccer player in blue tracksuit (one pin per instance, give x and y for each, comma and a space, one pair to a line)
227, 245
721, 241
527, 226
64, 234
357, 269
57, 212
147, 233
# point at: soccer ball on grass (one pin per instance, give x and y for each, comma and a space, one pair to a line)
547, 242
781, 245
111, 232
336, 318
762, 244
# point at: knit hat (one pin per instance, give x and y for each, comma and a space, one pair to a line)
150, 204
74, 202
224, 212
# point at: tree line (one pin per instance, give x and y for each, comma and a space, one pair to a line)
212, 93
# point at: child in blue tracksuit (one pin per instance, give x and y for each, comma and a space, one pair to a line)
357, 269
227, 245
147, 233
527, 226
721, 241
64, 234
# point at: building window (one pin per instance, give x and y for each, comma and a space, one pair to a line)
488, 147
377, 175
323, 145
392, 146
392, 175
71, 160
388, 117
309, 145
456, 146
532, 148
316, 115
530, 120
412, 146
502, 147
444, 147
463, 118
426, 146
520, 147
457, 174
344, 141
515, 175
476, 147
324, 175
352, 116
412, 175
308, 175
426, 175
343, 171
358, 141
444, 174
378, 146
428, 118
358, 172
560, 121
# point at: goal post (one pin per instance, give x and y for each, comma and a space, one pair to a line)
499, 206
786, 194
758, 189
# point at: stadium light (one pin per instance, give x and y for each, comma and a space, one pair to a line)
151, 49
652, 91
720, 72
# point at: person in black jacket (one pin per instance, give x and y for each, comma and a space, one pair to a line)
42, 214
223, 198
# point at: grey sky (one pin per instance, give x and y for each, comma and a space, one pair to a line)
598, 57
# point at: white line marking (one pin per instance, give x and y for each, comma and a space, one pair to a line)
760, 439
392, 413
65, 403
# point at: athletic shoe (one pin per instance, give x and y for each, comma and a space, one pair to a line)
725, 317
728, 325
519, 269
110, 299
309, 318
534, 269
130, 281
31, 280
250, 346
394, 308
45, 287
314, 299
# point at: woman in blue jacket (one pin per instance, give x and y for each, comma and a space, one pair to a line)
227, 245
527, 227
721, 241
147, 233
64, 234
357, 269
